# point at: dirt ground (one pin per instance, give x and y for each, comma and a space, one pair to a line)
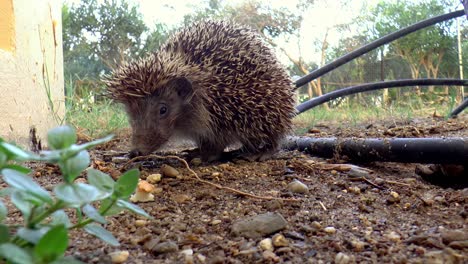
386, 214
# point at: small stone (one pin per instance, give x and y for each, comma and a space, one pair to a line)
393, 236
355, 172
140, 223
165, 247
379, 181
119, 256
154, 178
188, 255
394, 197
358, 246
216, 222
259, 225
342, 258
270, 256
316, 225
216, 174
196, 161
181, 198
294, 235
298, 187
330, 230
201, 257
449, 236
266, 244
280, 241
354, 189
169, 171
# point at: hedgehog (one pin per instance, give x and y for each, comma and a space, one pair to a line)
215, 83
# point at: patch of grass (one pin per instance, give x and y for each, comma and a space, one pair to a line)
97, 119
354, 114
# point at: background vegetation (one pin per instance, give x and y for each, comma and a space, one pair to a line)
100, 35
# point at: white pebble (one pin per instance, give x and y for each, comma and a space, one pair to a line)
330, 230
266, 244
119, 256
298, 187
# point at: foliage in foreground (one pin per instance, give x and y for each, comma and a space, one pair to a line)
43, 235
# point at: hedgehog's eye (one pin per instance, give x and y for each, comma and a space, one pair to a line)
162, 110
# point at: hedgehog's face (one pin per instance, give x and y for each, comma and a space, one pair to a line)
153, 118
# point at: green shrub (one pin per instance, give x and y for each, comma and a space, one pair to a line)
43, 235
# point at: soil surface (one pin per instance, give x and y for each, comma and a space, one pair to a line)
310, 210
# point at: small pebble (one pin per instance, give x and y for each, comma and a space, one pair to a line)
330, 230
165, 247
266, 244
342, 258
201, 257
169, 171
140, 222
298, 187
358, 246
394, 197
358, 173
154, 178
379, 181
393, 236
215, 174
216, 222
119, 256
196, 161
354, 189
181, 198
188, 255
270, 256
316, 225
279, 240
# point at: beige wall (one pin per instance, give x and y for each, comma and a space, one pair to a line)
30, 58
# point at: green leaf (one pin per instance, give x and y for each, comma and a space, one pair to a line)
60, 217
14, 152
32, 235
127, 184
3, 211
61, 137
23, 182
21, 201
15, 254
79, 194
3, 159
100, 180
101, 233
4, 234
53, 244
92, 213
17, 168
115, 209
132, 207
72, 167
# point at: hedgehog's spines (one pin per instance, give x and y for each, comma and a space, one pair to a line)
240, 85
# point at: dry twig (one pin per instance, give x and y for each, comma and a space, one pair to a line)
218, 186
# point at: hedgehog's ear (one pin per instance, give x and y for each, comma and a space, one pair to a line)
183, 87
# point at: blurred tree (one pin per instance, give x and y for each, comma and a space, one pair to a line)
100, 35
423, 50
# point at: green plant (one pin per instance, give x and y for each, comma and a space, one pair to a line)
43, 237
